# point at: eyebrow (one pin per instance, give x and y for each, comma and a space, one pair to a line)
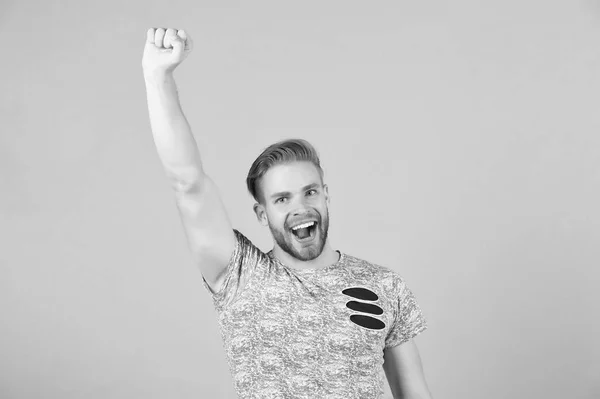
286, 193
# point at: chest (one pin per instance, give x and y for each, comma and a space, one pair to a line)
311, 315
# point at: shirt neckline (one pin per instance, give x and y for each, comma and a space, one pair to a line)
310, 270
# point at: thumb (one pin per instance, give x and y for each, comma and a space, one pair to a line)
187, 40
178, 46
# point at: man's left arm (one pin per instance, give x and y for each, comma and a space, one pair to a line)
404, 371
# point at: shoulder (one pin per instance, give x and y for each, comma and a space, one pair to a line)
381, 274
246, 250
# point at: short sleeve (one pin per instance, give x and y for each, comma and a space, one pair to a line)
409, 320
240, 268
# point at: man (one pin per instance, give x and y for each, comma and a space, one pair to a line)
303, 320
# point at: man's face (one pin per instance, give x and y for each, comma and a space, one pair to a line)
293, 195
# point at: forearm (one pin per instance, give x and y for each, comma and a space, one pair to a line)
172, 134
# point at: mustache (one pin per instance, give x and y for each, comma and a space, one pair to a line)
317, 217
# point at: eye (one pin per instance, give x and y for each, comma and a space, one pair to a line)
279, 199
315, 191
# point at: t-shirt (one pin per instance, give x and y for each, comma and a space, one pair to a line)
313, 333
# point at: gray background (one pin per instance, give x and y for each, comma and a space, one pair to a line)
459, 140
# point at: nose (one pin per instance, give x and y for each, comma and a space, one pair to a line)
301, 209
300, 212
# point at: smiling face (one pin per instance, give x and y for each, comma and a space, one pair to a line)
293, 194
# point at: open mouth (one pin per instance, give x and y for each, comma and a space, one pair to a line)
306, 232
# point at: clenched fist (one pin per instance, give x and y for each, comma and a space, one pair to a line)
165, 49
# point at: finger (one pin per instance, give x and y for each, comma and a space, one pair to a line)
186, 38
158, 37
150, 36
170, 38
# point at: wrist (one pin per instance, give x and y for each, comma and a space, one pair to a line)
157, 76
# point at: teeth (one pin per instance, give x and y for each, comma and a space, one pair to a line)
301, 226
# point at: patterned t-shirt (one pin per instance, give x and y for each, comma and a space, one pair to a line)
314, 333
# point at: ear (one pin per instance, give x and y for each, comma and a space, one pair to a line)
326, 191
261, 214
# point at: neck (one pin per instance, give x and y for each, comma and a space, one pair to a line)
327, 258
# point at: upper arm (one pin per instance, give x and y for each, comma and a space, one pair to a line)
210, 236
404, 371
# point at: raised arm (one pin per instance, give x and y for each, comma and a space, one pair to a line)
207, 227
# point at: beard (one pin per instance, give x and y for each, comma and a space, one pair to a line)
284, 238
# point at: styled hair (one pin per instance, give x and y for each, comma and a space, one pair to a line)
282, 152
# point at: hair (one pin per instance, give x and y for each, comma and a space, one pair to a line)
282, 152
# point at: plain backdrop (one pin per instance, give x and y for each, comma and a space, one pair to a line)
460, 142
